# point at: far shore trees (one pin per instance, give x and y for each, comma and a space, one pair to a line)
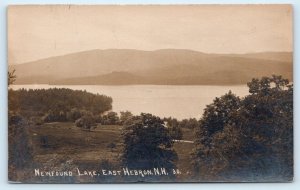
57, 104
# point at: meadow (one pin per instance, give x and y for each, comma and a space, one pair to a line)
62, 142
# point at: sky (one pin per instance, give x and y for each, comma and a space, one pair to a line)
37, 32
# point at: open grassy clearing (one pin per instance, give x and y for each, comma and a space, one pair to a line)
65, 141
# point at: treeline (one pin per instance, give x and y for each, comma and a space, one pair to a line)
57, 104
40, 106
89, 121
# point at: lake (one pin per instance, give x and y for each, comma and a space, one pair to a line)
181, 101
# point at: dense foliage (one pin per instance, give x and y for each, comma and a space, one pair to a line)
110, 118
124, 116
249, 138
20, 151
57, 104
191, 123
147, 143
87, 122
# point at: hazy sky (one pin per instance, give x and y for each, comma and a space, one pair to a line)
36, 32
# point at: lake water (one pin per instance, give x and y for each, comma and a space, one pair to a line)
161, 100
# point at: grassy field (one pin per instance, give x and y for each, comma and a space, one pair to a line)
56, 143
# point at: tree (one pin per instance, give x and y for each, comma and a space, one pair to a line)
55, 115
111, 118
174, 128
147, 143
216, 116
266, 120
124, 116
191, 123
20, 150
11, 77
86, 122
254, 134
74, 114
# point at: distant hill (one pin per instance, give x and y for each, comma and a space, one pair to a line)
166, 66
274, 56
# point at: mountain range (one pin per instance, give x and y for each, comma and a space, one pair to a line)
160, 67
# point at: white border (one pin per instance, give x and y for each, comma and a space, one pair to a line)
224, 186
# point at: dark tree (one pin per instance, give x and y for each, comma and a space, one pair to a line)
86, 122
216, 116
20, 151
265, 120
11, 77
147, 143
111, 118
249, 136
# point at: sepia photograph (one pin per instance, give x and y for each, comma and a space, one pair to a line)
150, 93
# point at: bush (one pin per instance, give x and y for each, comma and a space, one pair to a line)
86, 122
124, 116
111, 118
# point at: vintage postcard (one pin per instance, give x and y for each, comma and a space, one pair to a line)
150, 93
